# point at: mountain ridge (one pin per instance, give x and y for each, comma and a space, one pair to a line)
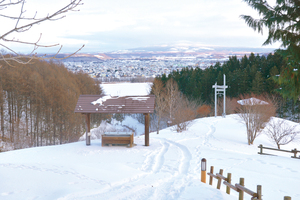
159, 51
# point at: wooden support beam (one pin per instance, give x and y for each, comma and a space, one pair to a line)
241, 192
231, 186
219, 179
221, 176
259, 192
88, 128
211, 174
228, 181
147, 122
242, 188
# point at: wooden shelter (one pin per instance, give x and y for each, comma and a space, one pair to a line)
251, 102
88, 104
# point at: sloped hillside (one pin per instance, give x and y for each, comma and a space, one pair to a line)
168, 169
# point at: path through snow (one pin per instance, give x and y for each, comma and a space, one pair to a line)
168, 169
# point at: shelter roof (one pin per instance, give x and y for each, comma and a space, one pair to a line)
115, 104
252, 101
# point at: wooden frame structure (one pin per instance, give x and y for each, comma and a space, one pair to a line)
293, 151
89, 104
238, 187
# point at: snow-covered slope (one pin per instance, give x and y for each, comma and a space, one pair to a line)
168, 169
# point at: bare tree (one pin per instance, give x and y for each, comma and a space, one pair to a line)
172, 97
204, 111
22, 23
280, 132
231, 106
255, 113
160, 101
184, 112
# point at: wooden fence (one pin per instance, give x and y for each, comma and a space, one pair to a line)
238, 187
293, 151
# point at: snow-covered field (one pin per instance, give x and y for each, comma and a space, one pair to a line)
168, 169
126, 89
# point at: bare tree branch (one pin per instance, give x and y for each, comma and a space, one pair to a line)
31, 21
280, 132
255, 113
3, 5
184, 112
160, 101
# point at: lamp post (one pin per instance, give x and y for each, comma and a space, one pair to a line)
203, 170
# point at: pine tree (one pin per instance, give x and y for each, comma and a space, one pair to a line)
283, 24
257, 85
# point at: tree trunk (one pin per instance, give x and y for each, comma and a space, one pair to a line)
278, 145
2, 121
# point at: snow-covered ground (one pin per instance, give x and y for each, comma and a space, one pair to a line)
126, 89
167, 169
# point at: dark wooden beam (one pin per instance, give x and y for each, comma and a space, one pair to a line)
147, 122
88, 128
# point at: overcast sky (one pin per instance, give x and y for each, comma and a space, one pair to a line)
108, 25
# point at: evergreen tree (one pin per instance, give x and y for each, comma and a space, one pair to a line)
197, 83
283, 24
257, 86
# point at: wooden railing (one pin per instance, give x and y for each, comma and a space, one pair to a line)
238, 187
293, 151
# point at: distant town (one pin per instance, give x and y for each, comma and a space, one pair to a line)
149, 63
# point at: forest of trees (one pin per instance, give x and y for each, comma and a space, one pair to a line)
37, 103
253, 74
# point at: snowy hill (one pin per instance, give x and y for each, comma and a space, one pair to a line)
168, 169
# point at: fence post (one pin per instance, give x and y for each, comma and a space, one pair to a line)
210, 177
203, 170
219, 179
295, 152
287, 198
241, 192
259, 193
229, 181
261, 149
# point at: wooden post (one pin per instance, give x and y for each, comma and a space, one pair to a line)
259, 193
219, 179
261, 149
287, 198
295, 152
241, 192
147, 119
88, 128
229, 181
210, 177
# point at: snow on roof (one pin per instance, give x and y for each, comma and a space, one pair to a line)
101, 100
115, 104
252, 101
138, 98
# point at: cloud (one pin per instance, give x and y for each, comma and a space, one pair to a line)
117, 24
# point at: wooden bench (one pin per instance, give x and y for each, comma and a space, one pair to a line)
117, 138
